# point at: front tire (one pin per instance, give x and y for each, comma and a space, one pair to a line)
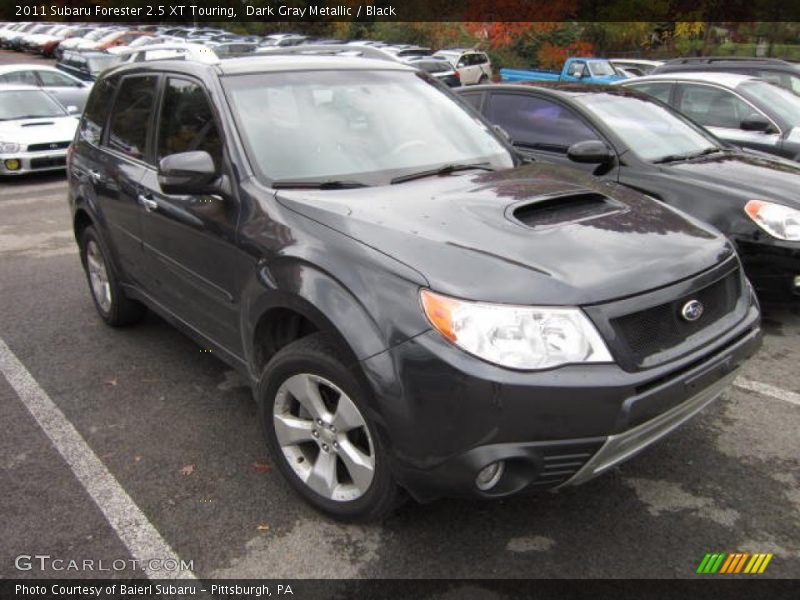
110, 301
313, 410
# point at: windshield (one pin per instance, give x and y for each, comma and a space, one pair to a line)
601, 68
362, 126
652, 131
782, 102
28, 104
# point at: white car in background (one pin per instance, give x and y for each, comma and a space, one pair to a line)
68, 90
35, 131
473, 66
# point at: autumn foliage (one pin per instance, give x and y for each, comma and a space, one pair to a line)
551, 56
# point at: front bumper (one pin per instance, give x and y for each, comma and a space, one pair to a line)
34, 162
451, 415
772, 267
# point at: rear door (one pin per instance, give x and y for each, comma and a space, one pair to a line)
539, 127
190, 240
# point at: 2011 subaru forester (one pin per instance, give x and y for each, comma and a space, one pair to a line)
413, 308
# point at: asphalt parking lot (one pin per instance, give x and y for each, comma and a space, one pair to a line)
175, 430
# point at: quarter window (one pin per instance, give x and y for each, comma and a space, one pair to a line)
20, 77
538, 123
53, 79
130, 119
187, 121
96, 113
658, 90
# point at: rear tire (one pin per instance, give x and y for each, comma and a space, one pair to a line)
112, 305
313, 410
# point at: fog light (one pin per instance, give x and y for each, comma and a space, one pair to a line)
797, 282
12, 164
489, 476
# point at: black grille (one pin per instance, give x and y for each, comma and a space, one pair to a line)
48, 146
661, 327
44, 163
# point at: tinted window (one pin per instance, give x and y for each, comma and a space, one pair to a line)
96, 112
713, 107
131, 116
53, 79
187, 122
536, 122
659, 90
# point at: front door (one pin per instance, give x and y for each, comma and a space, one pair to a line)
189, 241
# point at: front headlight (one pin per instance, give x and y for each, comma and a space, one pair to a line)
518, 337
8, 147
777, 220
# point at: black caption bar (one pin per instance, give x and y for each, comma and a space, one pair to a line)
143, 11
381, 589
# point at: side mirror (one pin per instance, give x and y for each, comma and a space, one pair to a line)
591, 152
755, 122
502, 133
73, 110
187, 173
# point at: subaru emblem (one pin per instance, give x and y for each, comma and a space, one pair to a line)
692, 310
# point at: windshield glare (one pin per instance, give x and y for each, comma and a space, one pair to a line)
783, 102
601, 68
364, 126
25, 104
650, 130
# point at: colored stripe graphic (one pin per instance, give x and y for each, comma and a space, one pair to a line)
736, 562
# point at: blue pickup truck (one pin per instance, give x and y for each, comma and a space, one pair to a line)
578, 69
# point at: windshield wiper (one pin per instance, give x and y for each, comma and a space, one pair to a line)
679, 157
330, 184
445, 170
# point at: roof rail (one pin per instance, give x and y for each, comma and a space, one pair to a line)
712, 59
329, 50
193, 52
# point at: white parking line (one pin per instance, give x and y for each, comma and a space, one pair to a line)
131, 525
768, 390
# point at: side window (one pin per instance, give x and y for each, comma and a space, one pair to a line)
576, 69
660, 90
53, 79
474, 100
187, 121
131, 115
538, 123
481, 59
713, 107
96, 112
20, 77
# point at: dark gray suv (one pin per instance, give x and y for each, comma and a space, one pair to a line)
414, 309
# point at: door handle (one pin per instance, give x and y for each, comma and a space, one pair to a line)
149, 204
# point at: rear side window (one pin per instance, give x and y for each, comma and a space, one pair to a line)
130, 119
538, 123
473, 100
187, 121
96, 112
53, 79
713, 107
660, 90
20, 77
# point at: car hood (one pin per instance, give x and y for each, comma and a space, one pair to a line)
38, 131
748, 175
460, 233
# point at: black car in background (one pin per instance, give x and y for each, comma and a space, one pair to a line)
739, 109
439, 69
627, 137
410, 309
86, 66
780, 72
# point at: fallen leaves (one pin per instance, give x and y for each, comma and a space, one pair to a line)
262, 527
261, 467
187, 470
112, 382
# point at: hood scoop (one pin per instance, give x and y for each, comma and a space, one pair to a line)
38, 123
564, 208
